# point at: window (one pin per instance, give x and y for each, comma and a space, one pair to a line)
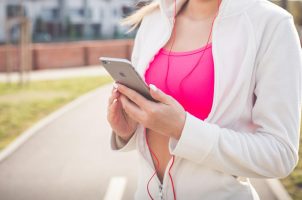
14, 11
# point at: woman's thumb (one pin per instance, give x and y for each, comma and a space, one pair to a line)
159, 95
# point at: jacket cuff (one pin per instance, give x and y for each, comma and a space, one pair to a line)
196, 141
117, 144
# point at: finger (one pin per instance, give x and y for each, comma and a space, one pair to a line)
137, 98
115, 94
131, 108
112, 109
115, 105
159, 95
114, 85
113, 89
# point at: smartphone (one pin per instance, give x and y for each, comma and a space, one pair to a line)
122, 71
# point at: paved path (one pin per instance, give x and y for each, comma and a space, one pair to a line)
70, 159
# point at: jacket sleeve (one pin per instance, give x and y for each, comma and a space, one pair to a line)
272, 150
117, 144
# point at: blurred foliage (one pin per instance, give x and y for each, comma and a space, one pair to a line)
293, 183
295, 8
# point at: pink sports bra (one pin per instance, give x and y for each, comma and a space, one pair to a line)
197, 89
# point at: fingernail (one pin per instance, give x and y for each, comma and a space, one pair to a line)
153, 87
115, 100
115, 85
115, 90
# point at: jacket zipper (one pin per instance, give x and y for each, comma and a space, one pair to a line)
166, 38
170, 30
161, 194
167, 171
160, 185
152, 169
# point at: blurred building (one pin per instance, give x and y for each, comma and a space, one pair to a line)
71, 20
61, 20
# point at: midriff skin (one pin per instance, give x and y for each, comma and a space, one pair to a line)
186, 40
158, 143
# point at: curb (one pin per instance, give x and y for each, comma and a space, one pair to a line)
278, 189
26, 135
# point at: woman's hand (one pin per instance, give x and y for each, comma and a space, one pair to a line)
123, 125
166, 117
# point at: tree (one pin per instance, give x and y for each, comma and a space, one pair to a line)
284, 4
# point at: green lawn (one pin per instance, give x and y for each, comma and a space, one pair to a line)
293, 183
21, 107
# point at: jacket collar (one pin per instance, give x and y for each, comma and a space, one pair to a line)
227, 7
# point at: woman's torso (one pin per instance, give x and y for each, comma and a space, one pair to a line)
196, 93
241, 35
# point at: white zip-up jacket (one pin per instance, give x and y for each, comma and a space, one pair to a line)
254, 125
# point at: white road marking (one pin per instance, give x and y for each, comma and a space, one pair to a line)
116, 188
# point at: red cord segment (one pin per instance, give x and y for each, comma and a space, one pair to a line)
173, 157
157, 161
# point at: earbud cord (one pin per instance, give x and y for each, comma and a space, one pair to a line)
157, 162
205, 48
173, 157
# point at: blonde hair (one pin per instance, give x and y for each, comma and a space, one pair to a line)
135, 18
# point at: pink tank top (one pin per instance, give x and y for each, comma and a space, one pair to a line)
196, 92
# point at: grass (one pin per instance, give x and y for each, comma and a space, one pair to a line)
22, 106
293, 183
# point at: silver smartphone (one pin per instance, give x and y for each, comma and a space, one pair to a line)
122, 71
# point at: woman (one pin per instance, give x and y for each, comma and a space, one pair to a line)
229, 98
